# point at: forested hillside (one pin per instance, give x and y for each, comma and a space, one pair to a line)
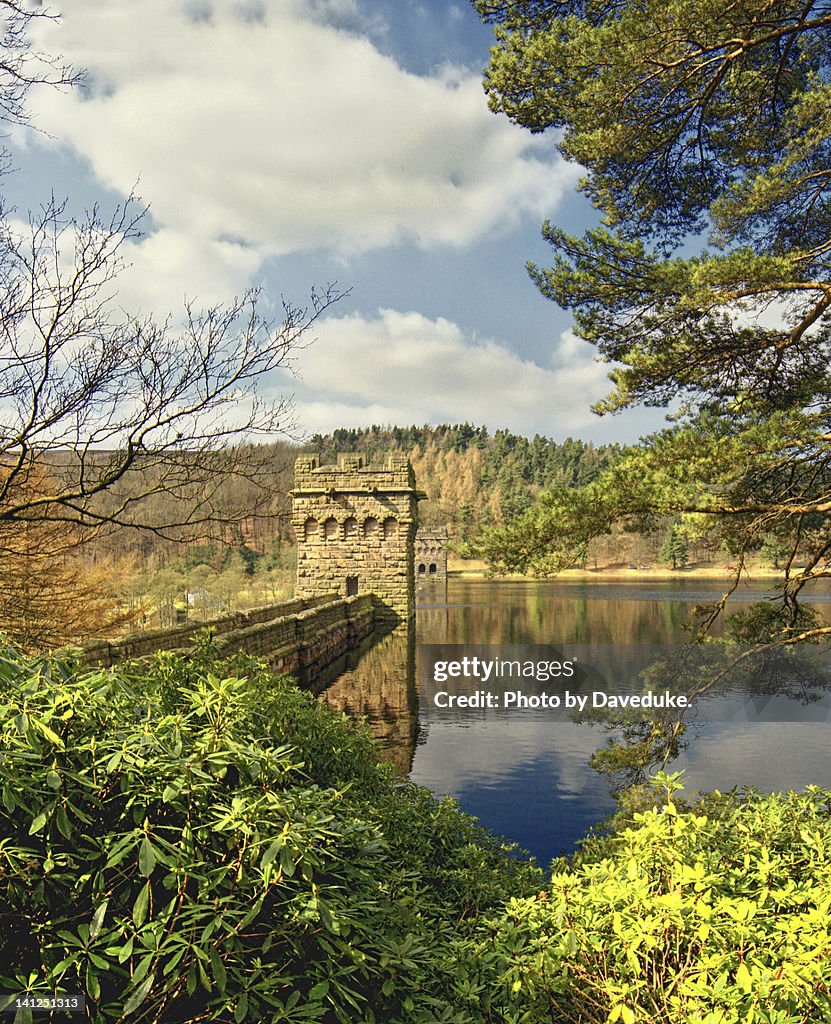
472, 478
475, 482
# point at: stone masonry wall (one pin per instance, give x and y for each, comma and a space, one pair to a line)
355, 526
180, 638
300, 637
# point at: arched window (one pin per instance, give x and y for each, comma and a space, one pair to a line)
390, 527
432, 567
311, 530
350, 528
372, 528
330, 529
422, 567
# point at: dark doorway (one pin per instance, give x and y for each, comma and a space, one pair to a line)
351, 586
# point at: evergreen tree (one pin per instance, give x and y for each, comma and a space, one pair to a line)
705, 132
674, 550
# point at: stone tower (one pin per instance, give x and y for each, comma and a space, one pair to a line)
355, 526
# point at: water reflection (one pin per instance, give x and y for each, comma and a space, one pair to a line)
380, 687
525, 774
516, 612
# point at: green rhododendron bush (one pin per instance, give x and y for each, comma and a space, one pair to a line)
198, 840
202, 841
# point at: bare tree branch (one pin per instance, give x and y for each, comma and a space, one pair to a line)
122, 409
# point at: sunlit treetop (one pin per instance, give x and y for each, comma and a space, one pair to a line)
674, 106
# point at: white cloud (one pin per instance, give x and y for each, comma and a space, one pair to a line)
267, 124
168, 268
405, 368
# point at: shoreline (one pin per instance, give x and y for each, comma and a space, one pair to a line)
478, 571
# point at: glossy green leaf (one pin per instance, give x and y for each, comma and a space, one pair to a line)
98, 919
141, 905
147, 857
138, 996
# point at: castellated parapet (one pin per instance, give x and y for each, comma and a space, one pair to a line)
355, 526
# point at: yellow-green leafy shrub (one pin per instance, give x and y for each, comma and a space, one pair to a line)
714, 916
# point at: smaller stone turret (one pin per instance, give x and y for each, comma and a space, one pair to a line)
430, 555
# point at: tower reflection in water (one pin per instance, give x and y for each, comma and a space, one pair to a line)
376, 682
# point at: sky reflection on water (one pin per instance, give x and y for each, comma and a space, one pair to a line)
527, 776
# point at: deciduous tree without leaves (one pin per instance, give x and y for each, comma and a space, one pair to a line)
108, 419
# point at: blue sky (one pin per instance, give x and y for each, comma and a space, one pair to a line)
291, 143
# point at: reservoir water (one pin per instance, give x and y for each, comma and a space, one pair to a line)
525, 772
